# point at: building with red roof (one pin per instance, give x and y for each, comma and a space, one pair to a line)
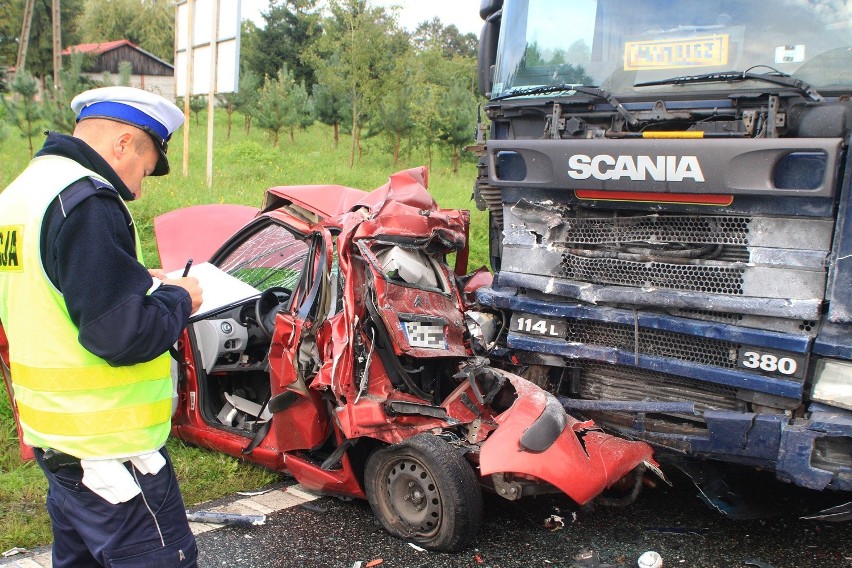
149, 72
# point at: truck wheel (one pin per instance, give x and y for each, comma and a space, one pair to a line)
422, 490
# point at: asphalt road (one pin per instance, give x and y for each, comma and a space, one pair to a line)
306, 532
673, 521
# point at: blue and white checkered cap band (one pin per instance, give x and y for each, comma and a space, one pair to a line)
128, 114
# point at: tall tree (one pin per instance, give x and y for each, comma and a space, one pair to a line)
154, 28
291, 28
356, 54
11, 20
449, 40
426, 117
436, 74
40, 47
394, 115
457, 116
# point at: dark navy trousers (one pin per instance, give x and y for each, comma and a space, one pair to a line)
149, 531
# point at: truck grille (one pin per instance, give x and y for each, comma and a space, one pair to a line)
692, 348
614, 382
658, 229
693, 277
594, 250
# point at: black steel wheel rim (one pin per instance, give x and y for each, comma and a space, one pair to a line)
413, 495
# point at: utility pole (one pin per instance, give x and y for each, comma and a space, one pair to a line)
57, 45
25, 37
188, 93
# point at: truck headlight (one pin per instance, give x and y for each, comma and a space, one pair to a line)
833, 383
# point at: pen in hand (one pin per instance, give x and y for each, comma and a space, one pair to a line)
186, 269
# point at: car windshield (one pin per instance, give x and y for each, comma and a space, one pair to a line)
271, 257
619, 44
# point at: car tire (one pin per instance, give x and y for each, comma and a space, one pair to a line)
424, 491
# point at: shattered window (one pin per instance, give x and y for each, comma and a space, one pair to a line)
271, 257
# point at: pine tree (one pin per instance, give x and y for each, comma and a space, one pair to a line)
22, 110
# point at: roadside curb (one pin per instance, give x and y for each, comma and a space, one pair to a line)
264, 501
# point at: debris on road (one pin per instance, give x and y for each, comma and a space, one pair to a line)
554, 523
225, 518
14, 551
588, 558
313, 508
697, 531
253, 493
650, 559
417, 548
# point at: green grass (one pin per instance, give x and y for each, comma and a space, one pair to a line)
243, 167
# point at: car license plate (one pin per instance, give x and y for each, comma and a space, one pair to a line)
425, 335
774, 362
534, 325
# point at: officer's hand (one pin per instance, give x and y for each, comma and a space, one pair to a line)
190, 284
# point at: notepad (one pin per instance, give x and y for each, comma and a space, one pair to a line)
219, 289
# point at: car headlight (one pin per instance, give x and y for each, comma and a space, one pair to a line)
833, 383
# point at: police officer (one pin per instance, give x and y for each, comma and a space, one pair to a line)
89, 328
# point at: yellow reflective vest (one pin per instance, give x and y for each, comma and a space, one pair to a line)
67, 398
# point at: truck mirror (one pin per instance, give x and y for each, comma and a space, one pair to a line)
488, 52
488, 7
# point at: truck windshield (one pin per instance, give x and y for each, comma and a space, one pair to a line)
639, 48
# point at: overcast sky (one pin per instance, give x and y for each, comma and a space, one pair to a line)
464, 14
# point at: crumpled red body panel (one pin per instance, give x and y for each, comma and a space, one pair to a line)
580, 470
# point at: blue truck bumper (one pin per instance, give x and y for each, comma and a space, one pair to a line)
807, 450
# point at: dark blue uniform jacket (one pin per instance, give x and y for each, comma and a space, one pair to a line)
88, 248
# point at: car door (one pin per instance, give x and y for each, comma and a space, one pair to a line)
299, 415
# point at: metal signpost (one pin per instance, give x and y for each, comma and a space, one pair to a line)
207, 60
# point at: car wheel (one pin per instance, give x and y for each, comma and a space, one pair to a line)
424, 491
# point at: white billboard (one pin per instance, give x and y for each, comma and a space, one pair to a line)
205, 14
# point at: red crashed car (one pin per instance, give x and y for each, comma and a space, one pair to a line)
333, 344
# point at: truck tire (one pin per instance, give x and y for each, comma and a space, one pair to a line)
423, 490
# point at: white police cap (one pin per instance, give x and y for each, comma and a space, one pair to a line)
144, 110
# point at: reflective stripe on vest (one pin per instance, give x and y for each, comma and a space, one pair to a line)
68, 398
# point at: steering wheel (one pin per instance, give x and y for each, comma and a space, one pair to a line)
268, 306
